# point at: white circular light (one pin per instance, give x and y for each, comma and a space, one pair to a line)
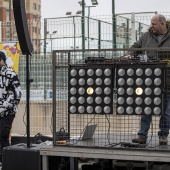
120, 100
107, 109
90, 91
121, 81
157, 71
73, 72
139, 91
147, 110
157, 101
81, 90
129, 100
72, 109
139, 81
98, 81
129, 91
89, 109
98, 72
120, 110
148, 72
121, 72
139, 72
121, 91
73, 100
157, 110
129, 110
73, 91
81, 100
90, 72
98, 90
148, 91
148, 81
98, 100
130, 72
107, 91
130, 81
138, 100
81, 72
107, 100
81, 109
98, 109
157, 81
90, 81
89, 100
107, 81
73, 82
81, 82
148, 101
157, 91
138, 110
107, 72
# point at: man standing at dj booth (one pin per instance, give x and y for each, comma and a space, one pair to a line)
157, 36
10, 95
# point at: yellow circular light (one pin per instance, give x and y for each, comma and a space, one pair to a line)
90, 90
139, 91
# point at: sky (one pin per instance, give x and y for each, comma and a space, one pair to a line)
58, 8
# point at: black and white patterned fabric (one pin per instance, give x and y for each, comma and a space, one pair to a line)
10, 91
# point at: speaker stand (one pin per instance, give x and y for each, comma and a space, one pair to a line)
28, 81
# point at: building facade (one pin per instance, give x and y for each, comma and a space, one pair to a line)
8, 30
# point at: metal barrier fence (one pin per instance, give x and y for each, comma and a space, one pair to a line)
99, 35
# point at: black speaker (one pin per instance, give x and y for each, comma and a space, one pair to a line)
20, 157
22, 26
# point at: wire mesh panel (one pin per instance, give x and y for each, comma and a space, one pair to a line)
109, 129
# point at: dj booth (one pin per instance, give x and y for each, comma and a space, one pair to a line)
113, 93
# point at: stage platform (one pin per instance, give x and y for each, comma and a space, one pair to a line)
124, 150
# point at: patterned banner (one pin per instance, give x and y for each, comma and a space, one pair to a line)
12, 51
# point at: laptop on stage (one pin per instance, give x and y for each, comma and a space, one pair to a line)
88, 133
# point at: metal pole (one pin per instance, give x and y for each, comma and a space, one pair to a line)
45, 36
99, 34
83, 24
54, 95
51, 43
88, 25
114, 25
28, 99
74, 38
45, 44
133, 40
10, 32
74, 32
127, 34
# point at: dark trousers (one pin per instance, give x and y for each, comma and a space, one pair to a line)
5, 127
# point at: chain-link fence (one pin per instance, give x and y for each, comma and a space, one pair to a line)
66, 34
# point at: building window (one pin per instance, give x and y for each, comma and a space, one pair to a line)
35, 29
39, 7
34, 6
34, 17
34, 41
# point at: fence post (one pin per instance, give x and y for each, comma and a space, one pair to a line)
133, 40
